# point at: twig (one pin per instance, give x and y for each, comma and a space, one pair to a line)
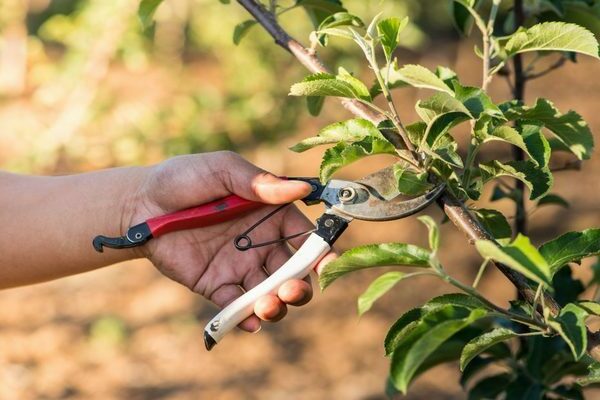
554, 66
454, 208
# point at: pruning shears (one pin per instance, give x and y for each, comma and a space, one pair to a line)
372, 198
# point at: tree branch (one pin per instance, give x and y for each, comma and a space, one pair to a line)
454, 208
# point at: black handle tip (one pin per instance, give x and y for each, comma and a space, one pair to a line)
98, 243
209, 342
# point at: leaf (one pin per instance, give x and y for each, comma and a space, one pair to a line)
241, 30
420, 77
571, 247
519, 255
476, 101
462, 18
350, 131
376, 289
482, 343
374, 255
410, 181
476, 365
553, 199
490, 387
319, 10
389, 30
440, 103
331, 24
538, 180
344, 154
323, 84
408, 356
434, 232
315, 104
566, 288
569, 128
401, 328
146, 12
570, 324
593, 375
496, 224
459, 300
591, 307
528, 137
553, 36
361, 90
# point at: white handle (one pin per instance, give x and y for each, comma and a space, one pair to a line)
297, 267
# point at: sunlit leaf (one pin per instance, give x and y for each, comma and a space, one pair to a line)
593, 375
322, 84
350, 131
538, 180
146, 12
571, 247
344, 154
482, 343
378, 288
519, 255
476, 101
241, 30
556, 36
570, 128
374, 255
496, 224
570, 324
420, 77
389, 30
410, 181
461, 300
591, 307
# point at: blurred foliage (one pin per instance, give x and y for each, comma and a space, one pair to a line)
82, 86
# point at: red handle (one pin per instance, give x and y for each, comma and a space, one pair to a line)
207, 214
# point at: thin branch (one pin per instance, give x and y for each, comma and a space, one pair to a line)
554, 66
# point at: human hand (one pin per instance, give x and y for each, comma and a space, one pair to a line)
205, 259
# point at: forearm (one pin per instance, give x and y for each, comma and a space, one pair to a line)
47, 223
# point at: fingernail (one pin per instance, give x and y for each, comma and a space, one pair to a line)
258, 330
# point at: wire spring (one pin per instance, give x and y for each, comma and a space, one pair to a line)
243, 241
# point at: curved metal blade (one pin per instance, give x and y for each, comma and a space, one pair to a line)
375, 198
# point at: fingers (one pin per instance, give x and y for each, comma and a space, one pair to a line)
270, 308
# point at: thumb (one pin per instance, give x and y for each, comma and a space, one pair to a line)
252, 183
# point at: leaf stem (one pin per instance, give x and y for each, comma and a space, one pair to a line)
487, 33
480, 272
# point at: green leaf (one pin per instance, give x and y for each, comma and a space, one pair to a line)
401, 328
410, 181
553, 199
462, 18
475, 366
593, 375
434, 232
389, 30
374, 255
331, 24
344, 154
570, 325
322, 84
590, 307
410, 354
315, 104
570, 128
361, 90
439, 104
490, 387
519, 255
241, 30
146, 12
482, 343
571, 247
553, 36
538, 180
528, 137
496, 224
420, 77
350, 131
319, 10
476, 101
459, 300
378, 288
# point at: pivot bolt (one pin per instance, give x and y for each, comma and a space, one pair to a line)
346, 195
329, 223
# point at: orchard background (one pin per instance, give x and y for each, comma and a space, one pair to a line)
82, 87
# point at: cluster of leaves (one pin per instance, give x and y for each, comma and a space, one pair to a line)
466, 326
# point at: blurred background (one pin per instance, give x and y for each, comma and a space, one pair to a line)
83, 87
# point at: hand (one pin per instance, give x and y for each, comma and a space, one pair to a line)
205, 259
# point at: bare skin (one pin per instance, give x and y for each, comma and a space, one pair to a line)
48, 224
